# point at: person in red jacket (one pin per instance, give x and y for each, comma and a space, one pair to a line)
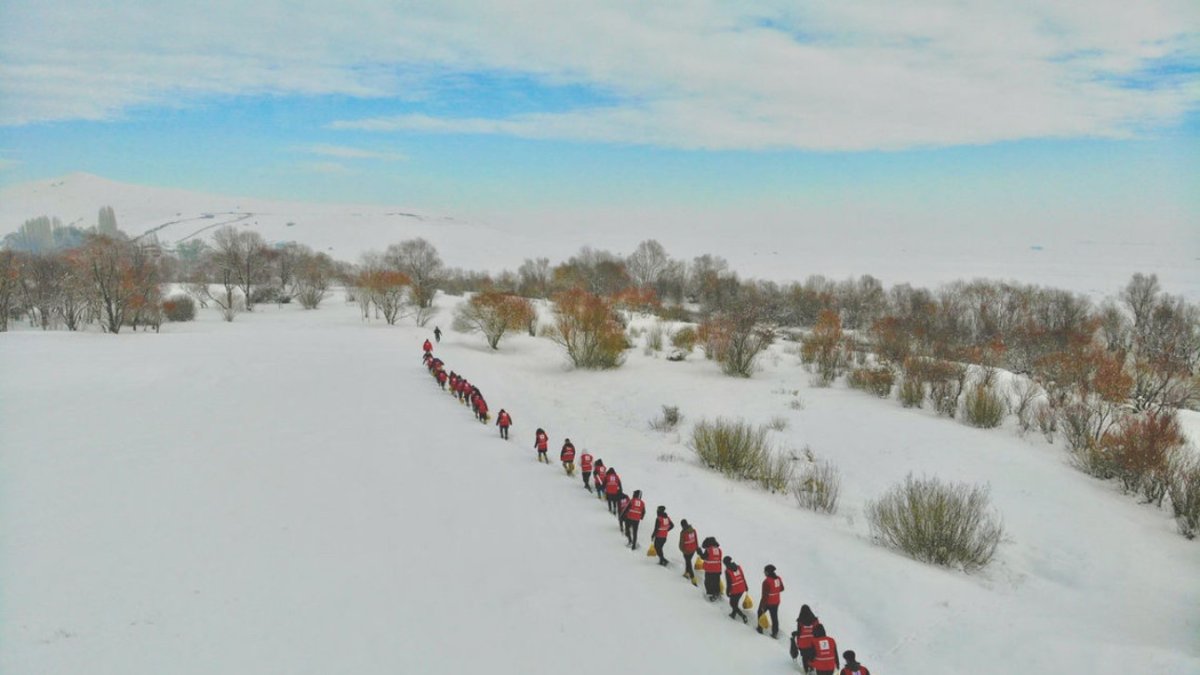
735, 588
772, 588
622, 504
504, 421
441, 379
825, 656
612, 488
633, 518
567, 457
541, 442
585, 467
687, 546
802, 637
710, 553
662, 527
853, 667
481, 408
427, 347
598, 474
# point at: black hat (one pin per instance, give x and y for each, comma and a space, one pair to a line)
662, 509
769, 569
849, 656
727, 560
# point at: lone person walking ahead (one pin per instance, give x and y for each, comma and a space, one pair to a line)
541, 442
504, 421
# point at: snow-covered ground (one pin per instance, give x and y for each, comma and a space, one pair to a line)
290, 493
757, 245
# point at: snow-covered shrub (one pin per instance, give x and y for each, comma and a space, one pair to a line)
733, 447
911, 392
587, 327
179, 308
670, 418
936, 522
684, 338
654, 337
776, 472
1185, 495
822, 349
1026, 392
878, 380
983, 407
796, 403
1141, 450
818, 485
944, 396
1046, 419
778, 423
494, 315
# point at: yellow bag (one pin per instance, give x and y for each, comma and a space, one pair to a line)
650, 552
764, 621
747, 602
721, 585
699, 563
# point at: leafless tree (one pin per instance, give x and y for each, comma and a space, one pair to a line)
534, 277
647, 263
9, 282
313, 275
244, 253
419, 261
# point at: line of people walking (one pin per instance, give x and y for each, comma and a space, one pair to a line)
809, 643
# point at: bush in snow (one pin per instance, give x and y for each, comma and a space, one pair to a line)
654, 337
983, 407
685, 339
1185, 495
1026, 392
776, 472
733, 447
493, 314
587, 327
1046, 419
822, 348
179, 308
911, 392
671, 417
878, 380
1141, 450
818, 485
936, 522
778, 423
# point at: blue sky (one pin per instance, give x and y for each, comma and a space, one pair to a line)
1074, 115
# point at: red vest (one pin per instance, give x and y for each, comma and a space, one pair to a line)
441, 376
804, 638
661, 527
712, 559
826, 654
542, 441
598, 476
504, 419
568, 453
771, 589
637, 510
612, 484
737, 582
621, 506
687, 541
585, 463
481, 404
428, 347
860, 670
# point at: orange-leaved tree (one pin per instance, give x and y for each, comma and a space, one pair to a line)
588, 328
494, 314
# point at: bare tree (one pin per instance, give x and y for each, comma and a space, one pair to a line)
9, 281
534, 277
647, 263
247, 255
314, 273
419, 261
109, 269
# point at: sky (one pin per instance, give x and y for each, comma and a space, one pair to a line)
935, 116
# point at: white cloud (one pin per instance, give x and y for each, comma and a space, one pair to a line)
827, 74
346, 152
6, 163
324, 167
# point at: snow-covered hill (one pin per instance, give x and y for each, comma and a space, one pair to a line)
760, 245
291, 493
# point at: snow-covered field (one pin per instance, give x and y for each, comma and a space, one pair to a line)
761, 246
291, 493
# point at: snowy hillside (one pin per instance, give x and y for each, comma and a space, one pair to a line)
291, 493
757, 245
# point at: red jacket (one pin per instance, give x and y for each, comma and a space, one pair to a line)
735, 583
712, 560
826, 657
687, 541
585, 463
612, 484
637, 509
504, 419
441, 377
662, 525
771, 588
481, 405
541, 442
598, 475
428, 346
804, 638
568, 453
860, 670
621, 506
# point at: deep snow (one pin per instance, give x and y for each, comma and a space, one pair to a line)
291, 493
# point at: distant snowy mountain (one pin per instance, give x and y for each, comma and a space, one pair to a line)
757, 245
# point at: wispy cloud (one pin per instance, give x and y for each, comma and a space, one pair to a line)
347, 152
707, 74
6, 164
325, 167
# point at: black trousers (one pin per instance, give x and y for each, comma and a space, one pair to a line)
504, 432
688, 571
542, 456
587, 475
712, 583
631, 529
612, 502
659, 544
773, 610
735, 603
